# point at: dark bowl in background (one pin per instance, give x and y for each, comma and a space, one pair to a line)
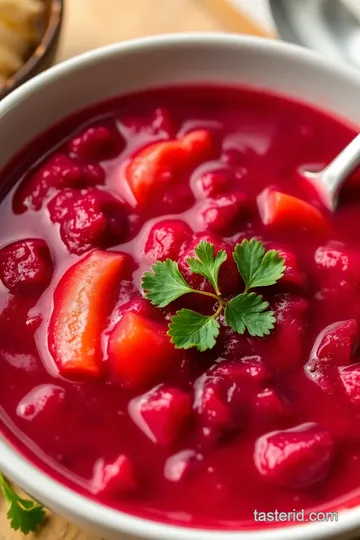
42, 56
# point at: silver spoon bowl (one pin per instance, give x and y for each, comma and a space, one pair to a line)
330, 180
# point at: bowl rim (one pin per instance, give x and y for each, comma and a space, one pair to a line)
52, 492
40, 52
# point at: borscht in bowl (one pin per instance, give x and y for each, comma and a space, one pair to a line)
179, 313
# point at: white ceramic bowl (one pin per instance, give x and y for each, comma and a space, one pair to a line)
137, 65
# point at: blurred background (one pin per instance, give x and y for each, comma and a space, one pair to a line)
92, 23
36, 33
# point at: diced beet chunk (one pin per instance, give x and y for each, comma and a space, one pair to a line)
223, 392
248, 370
290, 331
179, 466
210, 404
96, 143
229, 277
234, 346
268, 404
214, 183
88, 218
162, 123
332, 256
93, 174
220, 214
166, 239
140, 352
117, 224
350, 379
84, 227
335, 264
60, 205
284, 348
43, 402
57, 172
292, 275
337, 342
25, 265
295, 458
293, 278
333, 348
241, 158
117, 478
161, 414
159, 122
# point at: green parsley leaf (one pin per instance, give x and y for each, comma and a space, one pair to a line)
23, 514
246, 312
208, 264
249, 311
257, 267
191, 329
164, 283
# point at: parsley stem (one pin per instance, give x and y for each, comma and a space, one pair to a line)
219, 300
3, 482
209, 294
219, 310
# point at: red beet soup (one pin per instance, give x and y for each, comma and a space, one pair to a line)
94, 391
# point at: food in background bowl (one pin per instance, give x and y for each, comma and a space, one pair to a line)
21, 28
29, 36
201, 422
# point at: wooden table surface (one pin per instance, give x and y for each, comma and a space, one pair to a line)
93, 23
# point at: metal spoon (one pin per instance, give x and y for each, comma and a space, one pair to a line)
330, 180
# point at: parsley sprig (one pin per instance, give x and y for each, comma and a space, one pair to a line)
247, 311
25, 515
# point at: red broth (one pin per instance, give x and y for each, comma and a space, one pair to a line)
260, 424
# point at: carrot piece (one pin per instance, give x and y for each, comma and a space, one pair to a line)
139, 351
81, 302
281, 210
158, 164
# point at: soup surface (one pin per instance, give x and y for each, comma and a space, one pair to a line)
91, 388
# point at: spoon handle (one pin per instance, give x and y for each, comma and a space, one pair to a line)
336, 173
